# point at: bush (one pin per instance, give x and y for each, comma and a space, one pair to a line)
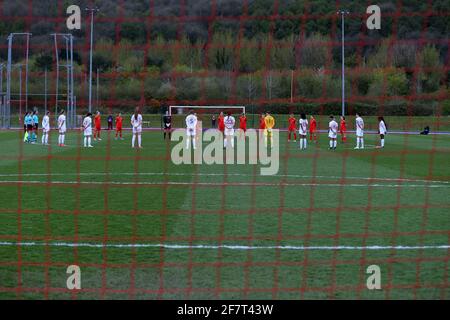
165, 91
309, 85
249, 86
151, 86
431, 76
392, 82
133, 31
102, 62
313, 53
363, 81
129, 88
188, 88
397, 83
134, 63
445, 107
44, 61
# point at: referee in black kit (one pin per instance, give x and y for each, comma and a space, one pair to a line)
167, 120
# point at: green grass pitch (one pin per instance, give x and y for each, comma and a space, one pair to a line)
319, 198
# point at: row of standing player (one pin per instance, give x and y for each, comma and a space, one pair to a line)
167, 120
333, 129
30, 126
86, 127
136, 124
98, 125
267, 122
225, 125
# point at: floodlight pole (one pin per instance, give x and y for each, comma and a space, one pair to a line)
45, 91
343, 13
96, 95
8, 81
92, 10
69, 70
57, 75
1, 78
9, 70
20, 90
2, 99
68, 76
71, 82
26, 72
292, 86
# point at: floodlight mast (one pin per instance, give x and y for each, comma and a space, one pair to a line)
1, 78
68, 74
2, 100
343, 13
57, 74
8, 74
92, 11
19, 66
45, 91
69, 70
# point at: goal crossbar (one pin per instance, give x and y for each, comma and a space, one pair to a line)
206, 107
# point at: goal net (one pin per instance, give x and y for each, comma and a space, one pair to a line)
206, 114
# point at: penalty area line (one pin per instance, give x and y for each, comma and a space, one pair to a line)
220, 184
175, 174
216, 247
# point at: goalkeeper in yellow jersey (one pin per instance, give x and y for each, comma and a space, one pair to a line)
270, 123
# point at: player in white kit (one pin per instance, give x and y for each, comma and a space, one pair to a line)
191, 129
87, 130
229, 122
62, 128
136, 124
45, 128
359, 132
332, 132
382, 129
302, 131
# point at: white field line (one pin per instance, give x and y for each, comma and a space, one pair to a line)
219, 184
101, 174
366, 146
214, 247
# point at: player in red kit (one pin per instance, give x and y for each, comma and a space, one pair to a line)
292, 127
262, 125
98, 126
119, 126
221, 122
312, 129
242, 124
343, 129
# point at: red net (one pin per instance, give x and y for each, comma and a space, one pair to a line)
139, 226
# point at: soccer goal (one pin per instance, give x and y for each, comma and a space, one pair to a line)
207, 115
206, 109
